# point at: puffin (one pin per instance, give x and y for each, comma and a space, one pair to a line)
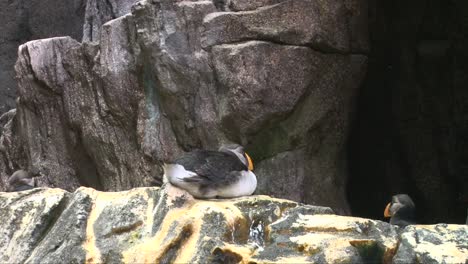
22, 180
206, 174
401, 210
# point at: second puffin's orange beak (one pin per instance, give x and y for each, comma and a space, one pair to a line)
387, 211
249, 161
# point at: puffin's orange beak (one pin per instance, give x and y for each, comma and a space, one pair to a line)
387, 211
249, 161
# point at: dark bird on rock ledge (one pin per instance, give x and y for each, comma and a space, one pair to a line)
22, 180
401, 210
213, 174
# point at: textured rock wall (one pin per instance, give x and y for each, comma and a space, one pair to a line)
99, 12
21, 21
410, 135
152, 225
177, 75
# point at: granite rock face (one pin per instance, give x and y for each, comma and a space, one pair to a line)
172, 76
24, 20
167, 225
97, 13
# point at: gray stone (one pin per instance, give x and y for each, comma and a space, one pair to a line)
309, 141
26, 218
179, 72
290, 166
26, 20
328, 238
318, 24
245, 5
41, 109
64, 239
261, 89
99, 12
439, 243
97, 125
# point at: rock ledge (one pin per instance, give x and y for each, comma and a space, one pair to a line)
167, 225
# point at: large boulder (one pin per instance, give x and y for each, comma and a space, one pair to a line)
167, 225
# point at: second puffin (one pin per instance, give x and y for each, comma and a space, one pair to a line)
213, 174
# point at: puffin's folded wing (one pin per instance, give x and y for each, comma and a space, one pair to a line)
210, 166
195, 179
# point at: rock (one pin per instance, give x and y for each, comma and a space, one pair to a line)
439, 243
257, 89
26, 218
246, 5
309, 142
99, 12
40, 109
64, 240
11, 148
167, 224
330, 239
26, 20
318, 24
356, 14
94, 137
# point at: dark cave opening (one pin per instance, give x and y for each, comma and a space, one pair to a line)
410, 131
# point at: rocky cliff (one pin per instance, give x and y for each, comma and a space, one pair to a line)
153, 225
279, 77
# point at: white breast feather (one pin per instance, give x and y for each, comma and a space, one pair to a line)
245, 186
175, 173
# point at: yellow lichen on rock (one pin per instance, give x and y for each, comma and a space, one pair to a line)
243, 252
341, 239
335, 248
150, 249
181, 226
167, 225
43, 201
101, 200
330, 223
437, 242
